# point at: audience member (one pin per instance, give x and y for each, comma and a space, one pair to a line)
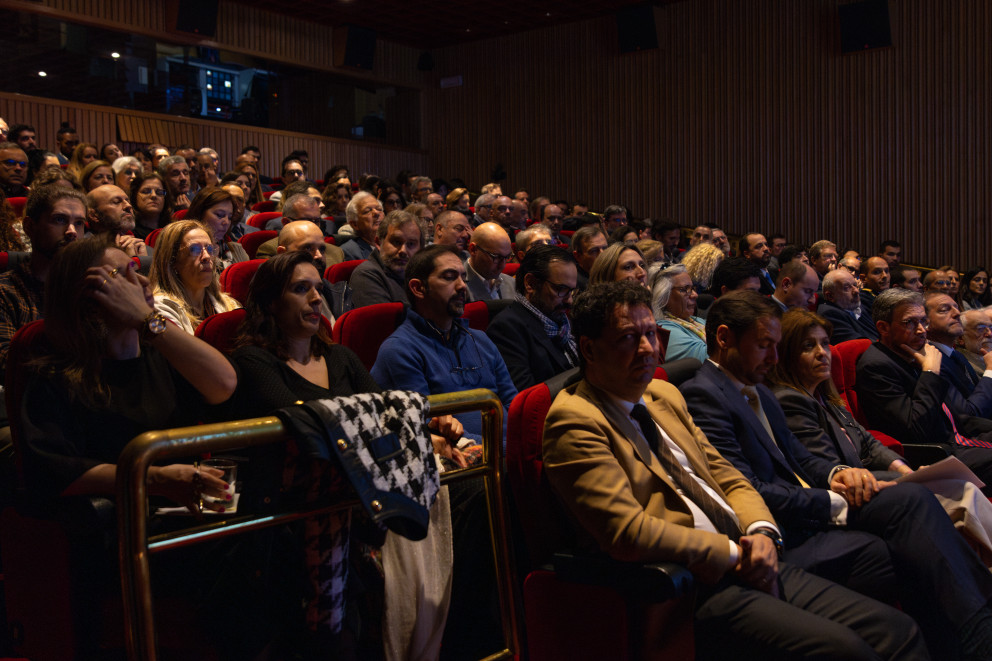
126, 170
364, 214
954, 277
875, 279
937, 282
613, 217
700, 262
457, 200
669, 234
175, 172
152, 206
735, 273
902, 394
552, 219
452, 228
533, 334
66, 140
943, 330
84, 154
534, 235
796, 286
483, 209
891, 252
976, 340
619, 262
379, 279
13, 170
587, 244
110, 212
701, 234
720, 240
974, 292
754, 247
489, 250
96, 173
610, 444
673, 302
214, 207
842, 308
823, 257
183, 278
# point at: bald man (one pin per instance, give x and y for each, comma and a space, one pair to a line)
109, 211
489, 251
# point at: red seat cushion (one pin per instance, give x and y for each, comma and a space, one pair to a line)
260, 219
219, 330
152, 237
179, 214
253, 240
341, 272
848, 354
511, 269
267, 205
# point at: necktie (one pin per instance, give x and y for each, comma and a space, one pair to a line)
768, 277
958, 358
963, 440
751, 393
722, 520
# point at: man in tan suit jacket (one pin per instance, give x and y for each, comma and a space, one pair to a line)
656, 490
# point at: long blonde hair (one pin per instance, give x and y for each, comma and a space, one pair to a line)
164, 276
701, 262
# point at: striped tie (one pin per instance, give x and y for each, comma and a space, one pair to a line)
963, 440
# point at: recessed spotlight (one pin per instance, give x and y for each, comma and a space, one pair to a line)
218, 109
115, 55
227, 83
42, 74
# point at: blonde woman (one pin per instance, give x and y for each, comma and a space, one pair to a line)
700, 263
183, 279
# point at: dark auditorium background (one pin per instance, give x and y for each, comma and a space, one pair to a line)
747, 114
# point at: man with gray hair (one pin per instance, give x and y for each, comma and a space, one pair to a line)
379, 279
483, 209
452, 229
364, 214
534, 235
902, 394
299, 204
420, 188
823, 257
976, 340
175, 171
842, 308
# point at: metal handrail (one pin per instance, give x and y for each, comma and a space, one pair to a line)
150, 447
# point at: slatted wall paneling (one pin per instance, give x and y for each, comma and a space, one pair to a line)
100, 124
747, 116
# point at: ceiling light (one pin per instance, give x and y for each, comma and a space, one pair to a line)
115, 55
42, 74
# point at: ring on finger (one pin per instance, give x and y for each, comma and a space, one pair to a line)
114, 272
103, 284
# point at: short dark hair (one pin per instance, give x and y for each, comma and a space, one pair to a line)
43, 198
776, 235
251, 148
583, 235
64, 128
793, 270
663, 226
889, 243
538, 261
738, 311
897, 274
744, 245
731, 272
421, 265
594, 307
15, 132
789, 253
613, 210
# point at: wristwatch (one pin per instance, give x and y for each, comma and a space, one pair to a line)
154, 324
774, 536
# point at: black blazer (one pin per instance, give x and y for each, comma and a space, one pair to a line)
829, 431
846, 327
530, 355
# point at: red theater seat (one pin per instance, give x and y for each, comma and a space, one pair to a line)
363, 330
260, 219
235, 279
341, 272
253, 240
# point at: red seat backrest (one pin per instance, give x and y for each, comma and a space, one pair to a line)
477, 313
341, 272
252, 240
848, 353
267, 205
179, 214
363, 330
235, 279
260, 219
4, 261
511, 269
219, 330
18, 204
152, 237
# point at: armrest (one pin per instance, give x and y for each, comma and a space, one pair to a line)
921, 455
647, 582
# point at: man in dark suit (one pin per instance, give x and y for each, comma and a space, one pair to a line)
875, 278
812, 497
754, 247
533, 334
945, 328
901, 391
645, 485
842, 308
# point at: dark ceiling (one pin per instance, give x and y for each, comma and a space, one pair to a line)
427, 24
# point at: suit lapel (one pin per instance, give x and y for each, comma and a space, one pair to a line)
536, 331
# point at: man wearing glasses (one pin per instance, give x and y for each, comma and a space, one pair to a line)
13, 170
488, 251
976, 340
901, 390
533, 334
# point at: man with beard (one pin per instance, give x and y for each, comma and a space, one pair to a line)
434, 351
175, 171
379, 279
842, 308
754, 246
533, 334
53, 217
488, 251
552, 218
110, 212
976, 340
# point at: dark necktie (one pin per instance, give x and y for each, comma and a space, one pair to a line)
722, 520
958, 358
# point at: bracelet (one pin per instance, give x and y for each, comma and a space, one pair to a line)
774, 536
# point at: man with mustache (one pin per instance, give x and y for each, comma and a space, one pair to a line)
434, 351
533, 334
53, 217
379, 279
977, 338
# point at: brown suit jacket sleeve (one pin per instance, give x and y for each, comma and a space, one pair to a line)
618, 491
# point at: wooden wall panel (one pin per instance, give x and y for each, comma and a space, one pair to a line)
748, 116
100, 124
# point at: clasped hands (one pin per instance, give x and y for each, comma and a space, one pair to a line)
758, 564
857, 485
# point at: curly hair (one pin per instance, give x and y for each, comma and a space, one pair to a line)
700, 263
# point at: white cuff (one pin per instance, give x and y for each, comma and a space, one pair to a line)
838, 509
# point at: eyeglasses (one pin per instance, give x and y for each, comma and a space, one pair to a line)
496, 257
295, 173
197, 249
982, 329
913, 324
11, 163
561, 291
157, 192
683, 290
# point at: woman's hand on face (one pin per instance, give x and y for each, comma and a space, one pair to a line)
120, 292
184, 484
